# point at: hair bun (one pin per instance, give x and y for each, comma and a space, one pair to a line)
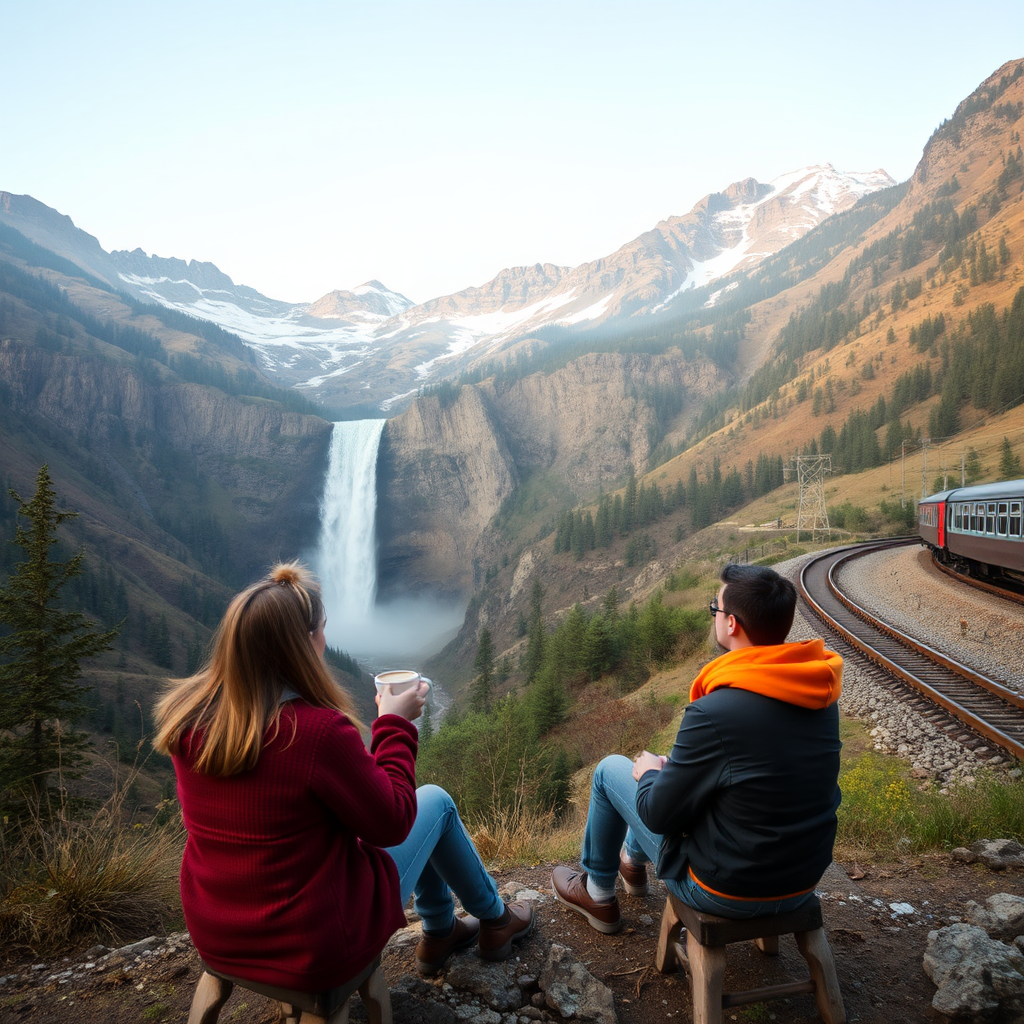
290, 572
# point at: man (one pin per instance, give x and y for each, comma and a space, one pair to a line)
741, 817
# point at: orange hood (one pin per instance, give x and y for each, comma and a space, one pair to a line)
802, 673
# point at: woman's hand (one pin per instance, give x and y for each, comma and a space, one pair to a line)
408, 704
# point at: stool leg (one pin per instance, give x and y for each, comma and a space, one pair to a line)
768, 944
671, 926
707, 974
815, 950
340, 1015
291, 1014
211, 994
376, 998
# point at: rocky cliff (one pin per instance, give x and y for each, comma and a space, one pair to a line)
446, 468
134, 434
443, 472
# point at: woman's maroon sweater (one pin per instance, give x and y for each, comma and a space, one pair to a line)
284, 880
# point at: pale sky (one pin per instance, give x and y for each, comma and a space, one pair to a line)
308, 146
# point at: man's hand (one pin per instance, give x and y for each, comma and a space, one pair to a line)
646, 762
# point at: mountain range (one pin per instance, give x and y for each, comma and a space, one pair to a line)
372, 348
711, 353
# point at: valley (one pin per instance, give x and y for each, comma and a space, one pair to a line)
189, 418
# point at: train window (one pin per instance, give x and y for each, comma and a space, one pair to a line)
958, 517
1001, 519
990, 526
977, 517
1015, 518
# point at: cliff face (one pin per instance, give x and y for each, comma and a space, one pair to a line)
589, 421
444, 472
144, 430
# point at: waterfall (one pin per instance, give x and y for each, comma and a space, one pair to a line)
347, 555
406, 630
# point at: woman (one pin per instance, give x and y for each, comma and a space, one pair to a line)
302, 846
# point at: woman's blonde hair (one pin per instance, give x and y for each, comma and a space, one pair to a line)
261, 647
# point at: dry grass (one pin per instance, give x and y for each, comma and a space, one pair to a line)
66, 882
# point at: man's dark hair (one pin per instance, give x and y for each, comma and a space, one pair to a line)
762, 600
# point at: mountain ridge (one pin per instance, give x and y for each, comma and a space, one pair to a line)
383, 337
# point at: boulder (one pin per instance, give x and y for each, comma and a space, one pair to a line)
1002, 915
572, 991
975, 974
492, 983
998, 854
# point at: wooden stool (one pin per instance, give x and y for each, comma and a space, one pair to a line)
330, 1007
704, 957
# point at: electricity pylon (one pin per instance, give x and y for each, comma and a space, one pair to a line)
811, 471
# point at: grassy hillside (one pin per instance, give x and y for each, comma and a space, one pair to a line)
891, 339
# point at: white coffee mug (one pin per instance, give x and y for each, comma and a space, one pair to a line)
399, 679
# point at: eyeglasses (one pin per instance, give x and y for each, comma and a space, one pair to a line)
714, 609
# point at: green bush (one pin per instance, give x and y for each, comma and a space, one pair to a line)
878, 809
990, 807
848, 516
903, 518
682, 579
882, 811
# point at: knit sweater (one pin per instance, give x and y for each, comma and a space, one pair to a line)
284, 880
746, 802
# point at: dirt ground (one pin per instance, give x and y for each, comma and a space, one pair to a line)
878, 954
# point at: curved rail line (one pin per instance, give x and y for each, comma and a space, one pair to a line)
1017, 596
984, 705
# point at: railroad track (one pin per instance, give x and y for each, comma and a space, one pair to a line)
984, 705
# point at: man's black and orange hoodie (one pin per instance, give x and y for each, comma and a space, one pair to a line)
746, 802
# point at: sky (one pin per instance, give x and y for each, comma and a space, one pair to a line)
308, 146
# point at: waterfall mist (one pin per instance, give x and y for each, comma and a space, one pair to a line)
400, 633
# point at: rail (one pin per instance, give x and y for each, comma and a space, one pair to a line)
984, 705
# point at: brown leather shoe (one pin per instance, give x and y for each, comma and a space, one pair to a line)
432, 951
634, 877
496, 937
571, 889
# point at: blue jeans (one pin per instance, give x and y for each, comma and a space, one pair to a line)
437, 858
612, 822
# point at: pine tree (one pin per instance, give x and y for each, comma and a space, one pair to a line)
1009, 464
536, 636
40, 657
484, 665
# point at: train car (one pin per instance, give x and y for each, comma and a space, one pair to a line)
977, 530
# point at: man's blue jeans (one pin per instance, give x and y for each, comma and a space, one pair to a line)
437, 858
612, 822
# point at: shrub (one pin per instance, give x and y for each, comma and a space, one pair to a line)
987, 808
877, 811
848, 516
66, 882
882, 812
902, 517
682, 579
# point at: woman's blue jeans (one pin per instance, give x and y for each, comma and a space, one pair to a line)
437, 858
612, 822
